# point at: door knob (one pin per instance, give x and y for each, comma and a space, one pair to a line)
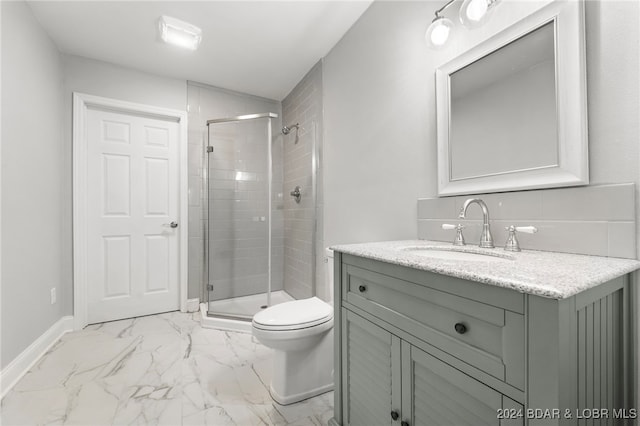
171, 225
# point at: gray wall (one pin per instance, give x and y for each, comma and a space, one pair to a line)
33, 178
38, 83
113, 81
380, 131
302, 220
378, 98
380, 124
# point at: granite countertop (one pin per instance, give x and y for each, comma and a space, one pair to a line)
547, 274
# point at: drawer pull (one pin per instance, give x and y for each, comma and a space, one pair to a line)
395, 415
362, 288
404, 423
460, 328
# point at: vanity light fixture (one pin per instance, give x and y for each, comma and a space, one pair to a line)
473, 13
179, 33
438, 32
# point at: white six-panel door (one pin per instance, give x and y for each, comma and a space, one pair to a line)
132, 198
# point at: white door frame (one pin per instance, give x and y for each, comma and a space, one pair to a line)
81, 105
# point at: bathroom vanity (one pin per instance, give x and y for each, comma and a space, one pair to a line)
431, 334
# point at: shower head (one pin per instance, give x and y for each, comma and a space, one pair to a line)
287, 129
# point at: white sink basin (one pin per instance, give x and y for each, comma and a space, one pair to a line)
437, 253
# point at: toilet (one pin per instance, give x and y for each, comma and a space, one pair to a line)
301, 334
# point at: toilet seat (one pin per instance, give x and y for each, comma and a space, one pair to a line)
294, 315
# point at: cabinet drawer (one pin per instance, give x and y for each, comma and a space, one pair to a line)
484, 336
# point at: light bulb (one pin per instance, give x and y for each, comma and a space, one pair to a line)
438, 32
474, 12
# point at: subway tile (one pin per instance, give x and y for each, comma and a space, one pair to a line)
424, 230
507, 205
598, 202
579, 237
195, 223
196, 250
473, 212
195, 280
572, 220
589, 238
195, 190
525, 204
431, 229
195, 159
622, 240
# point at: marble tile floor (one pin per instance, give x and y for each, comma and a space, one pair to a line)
158, 370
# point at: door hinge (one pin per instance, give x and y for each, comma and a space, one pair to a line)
209, 287
209, 149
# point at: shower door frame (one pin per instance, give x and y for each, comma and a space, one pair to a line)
208, 150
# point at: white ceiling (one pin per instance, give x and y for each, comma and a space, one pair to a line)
259, 47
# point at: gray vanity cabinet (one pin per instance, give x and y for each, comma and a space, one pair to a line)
438, 350
387, 376
372, 360
438, 394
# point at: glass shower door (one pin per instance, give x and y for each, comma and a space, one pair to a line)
239, 233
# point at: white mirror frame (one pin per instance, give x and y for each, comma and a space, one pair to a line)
571, 99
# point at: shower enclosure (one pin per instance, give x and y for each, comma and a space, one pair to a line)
245, 227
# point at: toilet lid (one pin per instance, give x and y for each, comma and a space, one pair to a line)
294, 315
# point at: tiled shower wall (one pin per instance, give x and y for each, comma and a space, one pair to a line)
238, 227
304, 220
206, 103
596, 220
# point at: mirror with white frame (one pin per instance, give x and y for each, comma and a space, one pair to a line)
511, 111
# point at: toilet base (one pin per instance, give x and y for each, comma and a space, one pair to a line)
298, 375
291, 399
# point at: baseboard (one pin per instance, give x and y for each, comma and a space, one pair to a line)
193, 305
17, 368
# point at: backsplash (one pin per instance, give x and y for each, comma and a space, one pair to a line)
595, 220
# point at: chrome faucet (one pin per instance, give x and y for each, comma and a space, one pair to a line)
486, 240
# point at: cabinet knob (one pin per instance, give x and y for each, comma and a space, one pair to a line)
404, 423
460, 328
362, 288
395, 415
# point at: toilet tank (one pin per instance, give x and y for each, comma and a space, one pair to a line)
328, 272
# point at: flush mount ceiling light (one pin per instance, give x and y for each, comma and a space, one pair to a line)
179, 33
473, 13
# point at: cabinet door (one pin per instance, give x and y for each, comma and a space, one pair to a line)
371, 372
436, 394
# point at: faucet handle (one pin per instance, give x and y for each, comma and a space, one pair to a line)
459, 240
526, 229
512, 243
